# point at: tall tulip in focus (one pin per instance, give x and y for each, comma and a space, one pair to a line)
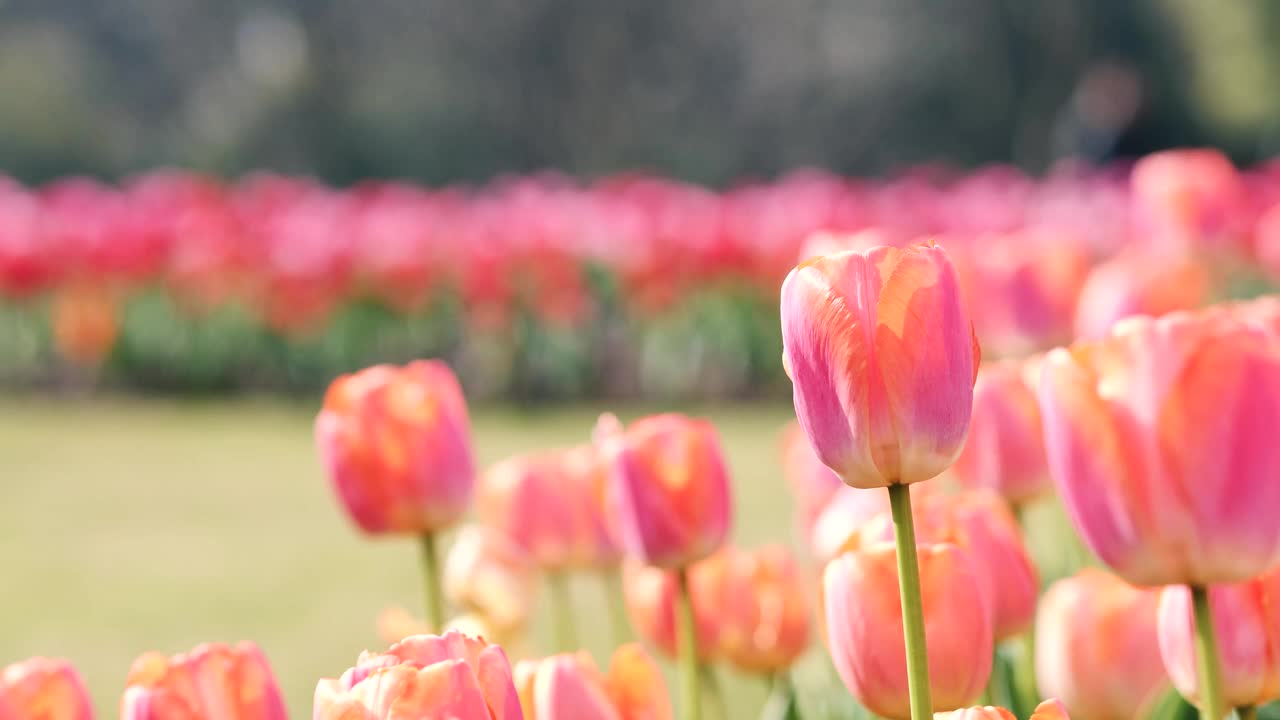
425, 676
570, 687
669, 505
882, 359
1246, 621
864, 621
45, 688
1159, 438
396, 442
1096, 646
212, 680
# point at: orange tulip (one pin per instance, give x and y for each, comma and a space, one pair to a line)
488, 574
1246, 620
764, 623
650, 593
882, 359
1096, 646
43, 689
1047, 710
84, 323
812, 483
668, 490
212, 681
397, 444
569, 687
1159, 441
1005, 448
424, 676
552, 505
864, 627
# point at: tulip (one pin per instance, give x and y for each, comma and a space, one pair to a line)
812, 483
882, 359
397, 444
1246, 619
1047, 710
652, 595
43, 688
488, 574
84, 323
213, 680
1005, 447
1138, 283
570, 687
424, 676
764, 618
864, 627
1189, 198
1096, 646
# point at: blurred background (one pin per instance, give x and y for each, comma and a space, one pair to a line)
210, 209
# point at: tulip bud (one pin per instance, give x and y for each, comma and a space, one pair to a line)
1246, 621
1157, 439
668, 490
450, 675
43, 688
864, 627
486, 573
569, 687
1005, 448
650, 594
213, 680
396, 442
1096, 646
882, 360
764, 624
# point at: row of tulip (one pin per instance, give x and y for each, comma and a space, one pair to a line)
588, 278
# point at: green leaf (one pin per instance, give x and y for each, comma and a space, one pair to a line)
1172, 706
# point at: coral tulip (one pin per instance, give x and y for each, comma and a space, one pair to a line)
865, 636
45, 689
552, 505
570, 687
1246, 620
764, 624
668, 490
488, 574
213, 681
397, 444
651, 597
1096, 646
812, 483
1047, 710
84, 322
882, 360
1158, 441
1138, 283
425, 676
1005, 448
1190, 198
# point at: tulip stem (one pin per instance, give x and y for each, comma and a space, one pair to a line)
1247, 712
1208, 668
904, 535
562, 612
612, 581
431, 578
715, 699
687, 649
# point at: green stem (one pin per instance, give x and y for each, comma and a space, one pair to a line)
1025, 673
904, 535
566, 634
615, 602
431, 578
1247, 712
711, 684
687, 648
1209, 671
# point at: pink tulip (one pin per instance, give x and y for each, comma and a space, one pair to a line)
1138, 283
1246, 620
882, 360
668, 490
812, 483
864, 627
1005, 448
1189, 199
43, 689
764, 625
488, 574
424, 676
1158, 440
1096, 646
650, 594
396, 442
212, 681
1047, 710
570, 687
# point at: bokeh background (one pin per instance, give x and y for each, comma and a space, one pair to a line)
169, 494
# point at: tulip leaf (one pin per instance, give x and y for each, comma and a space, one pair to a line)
1172, 706
1269, 712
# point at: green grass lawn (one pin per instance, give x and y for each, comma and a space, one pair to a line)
128, 526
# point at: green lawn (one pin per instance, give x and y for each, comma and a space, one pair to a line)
129, 525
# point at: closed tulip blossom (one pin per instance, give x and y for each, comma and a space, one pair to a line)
212, 681
424, 676
1158, 439
1246, 620
812, 483
882, 359
43, 689
1096, 646
864, 627
764, 623
571, 687
486, 573
652, 594
1138, 283
1005, 447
